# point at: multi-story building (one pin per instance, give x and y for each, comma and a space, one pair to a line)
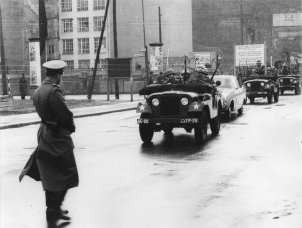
80, 25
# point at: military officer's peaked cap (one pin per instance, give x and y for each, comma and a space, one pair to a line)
55, 64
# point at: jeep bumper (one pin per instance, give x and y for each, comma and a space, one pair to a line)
175, 121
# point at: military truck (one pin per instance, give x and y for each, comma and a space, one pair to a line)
290, 82
265, 86
191, 106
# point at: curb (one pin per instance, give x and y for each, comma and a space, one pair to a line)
16, 125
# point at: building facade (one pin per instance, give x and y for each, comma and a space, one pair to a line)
80, 25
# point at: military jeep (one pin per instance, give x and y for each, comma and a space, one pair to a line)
290, 82
262, 86
188, 106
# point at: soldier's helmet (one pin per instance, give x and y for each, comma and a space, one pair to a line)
169, 72
202, 70
254, 71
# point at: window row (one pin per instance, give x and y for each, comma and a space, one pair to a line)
85, 64
82, 5
83, 24
83, 45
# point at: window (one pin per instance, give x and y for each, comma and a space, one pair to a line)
83, 45
98, 4
51, 49
70, 64
66, 5
82, 5
67, 46
97, 23
96, 44
102, 64
67, 25
83, 24
84, 64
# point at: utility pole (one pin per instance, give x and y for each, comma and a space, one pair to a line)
241, 23
159, 21
98, 52
115, 46
145, 46
3, 70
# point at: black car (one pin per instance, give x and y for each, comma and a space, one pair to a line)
262, 86
185, 105
290, 82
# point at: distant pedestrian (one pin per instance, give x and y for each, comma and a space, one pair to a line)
53, 161
23, 86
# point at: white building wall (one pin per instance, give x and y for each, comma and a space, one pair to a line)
91, 34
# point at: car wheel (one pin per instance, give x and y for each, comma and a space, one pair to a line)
228, 114
201, 129
240, 111
215, 123
252, 100
276, 97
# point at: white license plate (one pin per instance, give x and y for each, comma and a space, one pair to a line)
188, 120
142, 121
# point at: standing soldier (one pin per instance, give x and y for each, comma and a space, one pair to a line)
53, 161
23, 86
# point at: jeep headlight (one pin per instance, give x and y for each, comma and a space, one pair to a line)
291, 80
184, 101
248, 84
281, 80
267, 86
155, 102
262, 84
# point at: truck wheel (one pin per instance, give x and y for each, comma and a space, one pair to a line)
270, 98
297, 91
252, 100
146, 132
276, 97
215, 124
201, 129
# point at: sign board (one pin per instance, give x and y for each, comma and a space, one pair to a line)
205, 59
287, 19
248, 55
34, 62
119, 67
156, 57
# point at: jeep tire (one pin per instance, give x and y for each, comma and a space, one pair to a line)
201, 129
252, 100
297, 91
276, 96
270, 98
146, 131
281, 91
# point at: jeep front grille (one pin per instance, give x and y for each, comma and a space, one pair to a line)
169, 105
255, 86
286, 81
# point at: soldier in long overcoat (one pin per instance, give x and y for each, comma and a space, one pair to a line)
22, 86
53, 161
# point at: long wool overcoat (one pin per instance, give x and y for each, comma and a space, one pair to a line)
53, 160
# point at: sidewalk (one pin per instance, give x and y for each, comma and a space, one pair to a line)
33, 118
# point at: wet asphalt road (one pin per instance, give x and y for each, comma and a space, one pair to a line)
248, 176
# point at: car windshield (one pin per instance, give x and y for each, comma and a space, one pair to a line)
225, 83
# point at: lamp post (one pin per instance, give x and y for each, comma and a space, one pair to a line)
145, 46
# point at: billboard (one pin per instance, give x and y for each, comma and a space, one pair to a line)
119, 67
34, 62
287, 19
156, 57
205, 59
248, 55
